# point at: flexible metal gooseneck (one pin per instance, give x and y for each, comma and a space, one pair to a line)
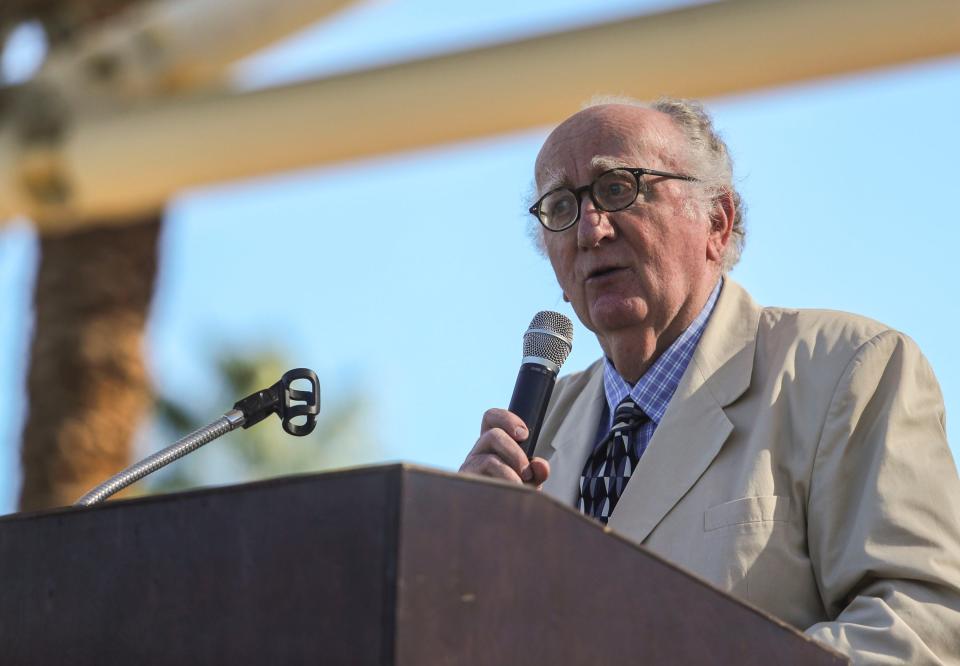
278, 399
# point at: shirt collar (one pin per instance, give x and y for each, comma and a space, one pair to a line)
653, 390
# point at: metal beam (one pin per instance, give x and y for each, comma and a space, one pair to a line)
167, 46
112, 165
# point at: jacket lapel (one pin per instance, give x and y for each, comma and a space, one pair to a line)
695, 426
574, 439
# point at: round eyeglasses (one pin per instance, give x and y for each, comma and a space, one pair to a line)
612, 190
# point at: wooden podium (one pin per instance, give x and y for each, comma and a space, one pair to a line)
382, 565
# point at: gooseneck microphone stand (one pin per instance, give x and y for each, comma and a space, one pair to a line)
278, 399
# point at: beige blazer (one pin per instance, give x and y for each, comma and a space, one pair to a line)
802, 465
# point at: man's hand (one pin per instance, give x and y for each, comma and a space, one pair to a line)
498, 453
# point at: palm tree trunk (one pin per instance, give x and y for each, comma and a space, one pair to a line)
87, 384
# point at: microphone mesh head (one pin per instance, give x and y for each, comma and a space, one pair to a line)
549, 336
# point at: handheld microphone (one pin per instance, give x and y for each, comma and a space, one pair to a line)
546, 345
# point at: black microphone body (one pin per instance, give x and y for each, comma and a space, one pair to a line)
531, 394
546, 345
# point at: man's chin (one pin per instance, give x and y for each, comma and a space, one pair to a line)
607, 314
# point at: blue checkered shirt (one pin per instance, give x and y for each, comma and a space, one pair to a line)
653, 391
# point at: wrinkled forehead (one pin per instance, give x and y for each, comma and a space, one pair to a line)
588, 144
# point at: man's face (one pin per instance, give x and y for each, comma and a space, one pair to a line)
639, 275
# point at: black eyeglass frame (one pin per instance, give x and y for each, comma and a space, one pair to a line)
637, 173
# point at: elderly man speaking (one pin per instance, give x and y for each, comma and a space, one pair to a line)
795, 458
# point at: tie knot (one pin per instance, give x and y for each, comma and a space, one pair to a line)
628, 416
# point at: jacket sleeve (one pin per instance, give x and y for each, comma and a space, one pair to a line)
883, 514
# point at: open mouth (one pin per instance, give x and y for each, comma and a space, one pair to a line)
603, 272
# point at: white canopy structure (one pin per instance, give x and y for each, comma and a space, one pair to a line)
134, 109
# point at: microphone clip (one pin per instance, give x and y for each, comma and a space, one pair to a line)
285, 401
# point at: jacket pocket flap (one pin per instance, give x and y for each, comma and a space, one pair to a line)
747, 510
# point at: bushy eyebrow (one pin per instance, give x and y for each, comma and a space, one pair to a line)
556, 178
601, 163
553, 179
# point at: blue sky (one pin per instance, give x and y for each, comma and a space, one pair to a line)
361, 272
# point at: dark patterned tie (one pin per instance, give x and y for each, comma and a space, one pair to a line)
613, 460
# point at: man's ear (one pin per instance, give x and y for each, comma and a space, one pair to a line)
723, 211
566, 299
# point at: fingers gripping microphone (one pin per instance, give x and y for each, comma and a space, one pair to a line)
546, 345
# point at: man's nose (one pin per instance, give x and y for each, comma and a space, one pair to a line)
594, 224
